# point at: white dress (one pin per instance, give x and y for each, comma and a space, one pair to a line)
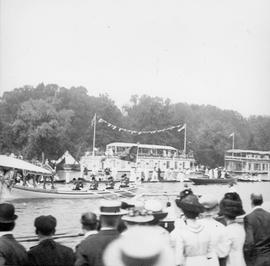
220, 241
236, 235
192, 244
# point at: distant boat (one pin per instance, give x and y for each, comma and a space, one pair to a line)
208, 181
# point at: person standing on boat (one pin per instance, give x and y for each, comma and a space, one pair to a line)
91, 249
11, 251
48, 252
257, 227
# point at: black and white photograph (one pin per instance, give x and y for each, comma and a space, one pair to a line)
134, 133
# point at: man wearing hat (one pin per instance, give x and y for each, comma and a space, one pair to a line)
48, 252
140, 245
11, 252
257, 227
91, 249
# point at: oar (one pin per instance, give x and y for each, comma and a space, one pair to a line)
34, 239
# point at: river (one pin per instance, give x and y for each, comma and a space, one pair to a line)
68, 212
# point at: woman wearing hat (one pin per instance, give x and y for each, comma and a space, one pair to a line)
230, 208
220, 241
192, 240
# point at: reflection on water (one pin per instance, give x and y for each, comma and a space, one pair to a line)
68, 212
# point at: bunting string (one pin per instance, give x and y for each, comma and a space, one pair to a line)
134, 132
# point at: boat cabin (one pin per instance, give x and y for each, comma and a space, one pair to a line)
247, 161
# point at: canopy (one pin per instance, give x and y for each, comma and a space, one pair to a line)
11, 162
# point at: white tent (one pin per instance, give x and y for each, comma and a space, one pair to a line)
69, 159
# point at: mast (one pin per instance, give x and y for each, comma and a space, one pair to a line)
233, 141
185, 139
94, 122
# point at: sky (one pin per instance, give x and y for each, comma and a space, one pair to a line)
213, 52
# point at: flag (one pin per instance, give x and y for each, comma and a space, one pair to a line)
181, 128
93, 121
130, 155
232, 135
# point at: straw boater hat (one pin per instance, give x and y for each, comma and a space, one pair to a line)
155, 206
231, 205
140, 245
187, 201
138, 215
210, 204
7, 213
111, 208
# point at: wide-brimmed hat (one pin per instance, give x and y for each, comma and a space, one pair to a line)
189, 202
140, 245
138, 216
156, 208
231, 205
111, 208
7, 213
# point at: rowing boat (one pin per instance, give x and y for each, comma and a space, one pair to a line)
19, 191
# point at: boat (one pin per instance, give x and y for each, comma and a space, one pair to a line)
12, 190
207, 181
19, 192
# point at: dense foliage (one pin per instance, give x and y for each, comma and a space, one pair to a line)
51, 119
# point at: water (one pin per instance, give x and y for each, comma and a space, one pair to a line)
68, 212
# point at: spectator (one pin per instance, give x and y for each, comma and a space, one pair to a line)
230, 208
89, 224
191, 240
219, 239
91, 249
48, 252
257, 227
11, 252
140, 245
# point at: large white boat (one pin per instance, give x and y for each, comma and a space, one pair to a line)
150, 159
248, 162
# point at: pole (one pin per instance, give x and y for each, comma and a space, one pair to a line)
185, 140
94, 134
233, 141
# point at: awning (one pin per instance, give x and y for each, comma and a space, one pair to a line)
10, 162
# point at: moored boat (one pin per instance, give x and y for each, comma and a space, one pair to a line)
207, 181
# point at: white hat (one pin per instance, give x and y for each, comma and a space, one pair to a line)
139, 245
155, 206
111, 208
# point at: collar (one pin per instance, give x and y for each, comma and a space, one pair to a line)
45, 238
2, 233
107, 228
89, 233
257, 207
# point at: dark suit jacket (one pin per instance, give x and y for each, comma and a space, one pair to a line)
257, 243
50, 253
12, 252
90, 250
